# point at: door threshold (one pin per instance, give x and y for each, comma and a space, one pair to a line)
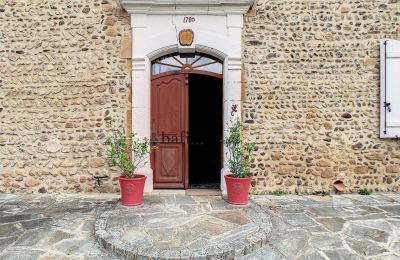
168, 192
203, 192
188, 192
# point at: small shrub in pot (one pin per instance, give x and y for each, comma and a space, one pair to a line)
239, 160
120, 149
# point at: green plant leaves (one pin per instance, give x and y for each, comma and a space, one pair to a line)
120, 146
239, 153
364, 191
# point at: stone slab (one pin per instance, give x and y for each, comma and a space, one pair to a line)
21, 254
173, 228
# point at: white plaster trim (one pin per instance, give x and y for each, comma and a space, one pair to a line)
139, 63
234, 63
199, 48
162, 52
232, 22
156, 35
186, 7
148, 172
224, 171
211, 51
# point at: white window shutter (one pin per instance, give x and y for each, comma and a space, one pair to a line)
390, 89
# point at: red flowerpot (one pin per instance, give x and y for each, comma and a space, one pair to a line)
238, 189
132, 190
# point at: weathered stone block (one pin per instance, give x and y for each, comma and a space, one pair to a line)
361, 169
395, 155
289, 182
370, 62
31, 182
69, 125
275, 156
375, 156
109, 21
328, 126
112, 32
344, 8
96, 162
126, 47
53, 147
393, 168
287, 169
68, 163
107, 7
327, 173
86, 10
324, 163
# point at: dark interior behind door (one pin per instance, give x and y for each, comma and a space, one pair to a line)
205, 131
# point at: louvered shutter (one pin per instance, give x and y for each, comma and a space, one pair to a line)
390, 89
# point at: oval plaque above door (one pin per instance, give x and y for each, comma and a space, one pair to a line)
186, 37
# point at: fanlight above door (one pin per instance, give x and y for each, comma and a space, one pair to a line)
176, 62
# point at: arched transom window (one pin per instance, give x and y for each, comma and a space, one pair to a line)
188, 64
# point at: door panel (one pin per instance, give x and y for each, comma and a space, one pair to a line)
169, 168
168, 113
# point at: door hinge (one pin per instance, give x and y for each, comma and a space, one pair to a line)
387, 106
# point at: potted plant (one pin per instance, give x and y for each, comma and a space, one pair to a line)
239, 160
121, 146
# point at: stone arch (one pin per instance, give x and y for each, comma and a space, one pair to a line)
174, 48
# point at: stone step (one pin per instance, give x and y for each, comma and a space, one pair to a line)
181, 233
265, 252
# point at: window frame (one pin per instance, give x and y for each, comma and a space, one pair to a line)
187, 67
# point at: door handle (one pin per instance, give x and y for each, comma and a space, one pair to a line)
153, 141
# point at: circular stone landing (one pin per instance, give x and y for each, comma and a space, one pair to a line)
183, 227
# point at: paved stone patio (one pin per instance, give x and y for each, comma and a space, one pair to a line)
303, 227
332, 227
186, 227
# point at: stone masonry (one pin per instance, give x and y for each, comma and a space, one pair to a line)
312, 97
63, 72
311, 70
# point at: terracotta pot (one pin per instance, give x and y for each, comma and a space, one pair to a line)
132, 190
238, 189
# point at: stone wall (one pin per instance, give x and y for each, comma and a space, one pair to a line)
312, 93
63, 73
312, 99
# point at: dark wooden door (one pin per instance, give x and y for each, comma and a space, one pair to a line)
168, 127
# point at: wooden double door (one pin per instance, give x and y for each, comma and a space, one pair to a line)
170, 129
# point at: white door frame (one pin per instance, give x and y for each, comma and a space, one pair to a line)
217, 31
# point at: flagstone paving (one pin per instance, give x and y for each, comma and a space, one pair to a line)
46, 226
185, 227
332, 227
